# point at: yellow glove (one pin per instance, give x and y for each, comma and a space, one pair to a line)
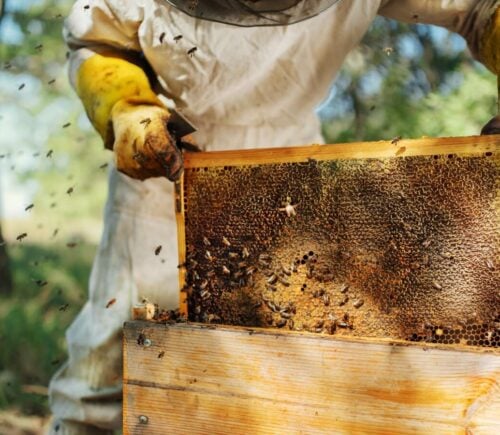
128, 115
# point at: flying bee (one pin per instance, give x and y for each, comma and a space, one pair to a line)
103, 166
161, 354
110, 302
21, 86
29, 207
49, 153
66, 125
395, 140
178, 38
70, 190
22, 236
162, 37
41, 283
63, 307
158, 250
192, 51
39, 47
71, 244
51, 82
388, 50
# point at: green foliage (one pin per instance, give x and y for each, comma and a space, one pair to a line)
33, 321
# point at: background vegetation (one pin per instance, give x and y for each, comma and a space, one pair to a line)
402, 80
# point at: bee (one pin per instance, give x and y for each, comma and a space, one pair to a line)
205, 294
283, 280
49, 154
86, 7
22, 236
426, 243
63, 307
436, 285
358, 303
245, 253
21, 86
250, 270
208, 256
271, 287
264, 257
70, 190
272, 279
41, 283
233, 255
280, 323
162, 37
161, 354
204, 284
191, 51
344, 301
344, 287
110, 302
286, 271
178, 38
29, 207
326, 300
286, 314
225, 270
141, 338
242, 264
388, 50
395, 140
145, 121
226, 242
206, 242
489, 264
158, 250
66, 125
289, 208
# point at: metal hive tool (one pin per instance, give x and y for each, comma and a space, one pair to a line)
400, 243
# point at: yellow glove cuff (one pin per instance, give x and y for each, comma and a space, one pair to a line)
104, 80
489, 46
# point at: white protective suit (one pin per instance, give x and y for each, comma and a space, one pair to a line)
243, 88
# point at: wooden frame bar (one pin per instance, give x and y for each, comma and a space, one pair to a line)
195, 379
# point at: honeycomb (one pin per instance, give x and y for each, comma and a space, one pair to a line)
403, 248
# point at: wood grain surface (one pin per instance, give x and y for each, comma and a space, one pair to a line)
196, 379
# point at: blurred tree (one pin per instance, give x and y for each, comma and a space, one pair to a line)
5, 275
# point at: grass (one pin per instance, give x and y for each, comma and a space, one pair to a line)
34, 318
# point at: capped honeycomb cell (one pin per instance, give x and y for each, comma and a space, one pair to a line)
402, 247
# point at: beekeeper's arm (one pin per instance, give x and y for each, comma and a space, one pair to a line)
478, 21
106, 72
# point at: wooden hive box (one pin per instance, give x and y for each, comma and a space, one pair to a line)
361, 282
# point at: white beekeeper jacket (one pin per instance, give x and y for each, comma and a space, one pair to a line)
245, 87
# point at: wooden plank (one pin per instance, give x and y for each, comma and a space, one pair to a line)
361, 150
195, 379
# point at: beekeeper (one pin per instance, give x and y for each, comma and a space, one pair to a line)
247, 73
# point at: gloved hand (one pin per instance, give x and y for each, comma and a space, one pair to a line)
142, 144
130, 118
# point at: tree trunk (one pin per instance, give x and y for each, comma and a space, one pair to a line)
5, 275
